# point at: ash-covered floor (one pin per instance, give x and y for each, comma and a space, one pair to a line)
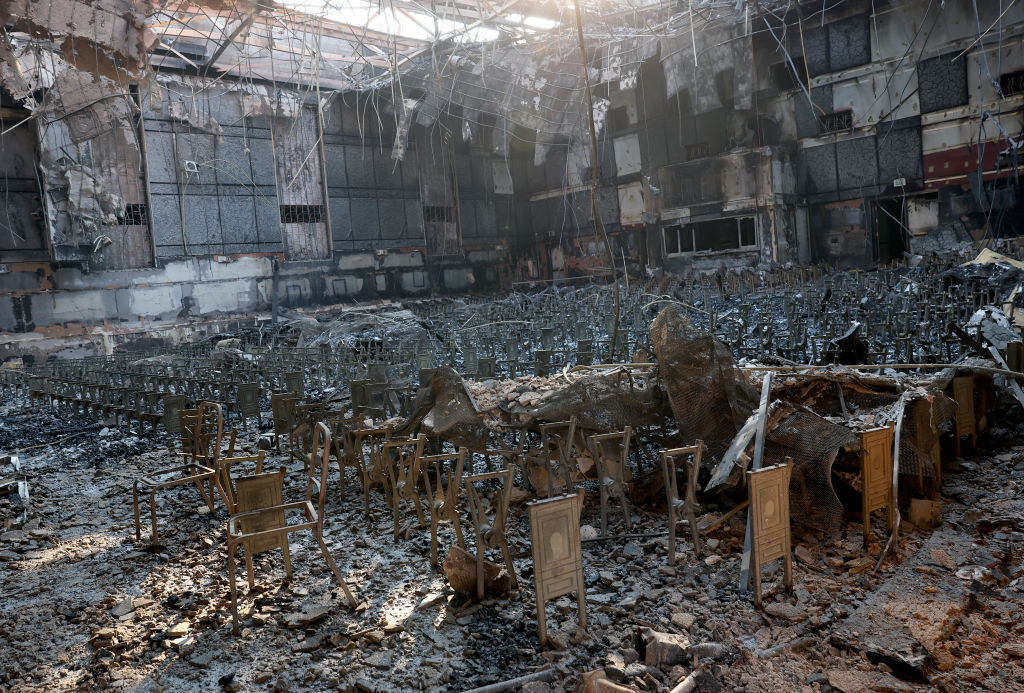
85, 607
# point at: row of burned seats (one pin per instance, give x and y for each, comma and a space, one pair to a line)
442, 486
155, 396
259, 516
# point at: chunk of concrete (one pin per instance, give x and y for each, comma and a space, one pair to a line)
925, 514
661, 648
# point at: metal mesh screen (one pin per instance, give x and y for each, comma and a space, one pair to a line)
710, 397
813, 443
923, 418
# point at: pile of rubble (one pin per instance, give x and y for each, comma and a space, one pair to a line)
84, 608
931, 601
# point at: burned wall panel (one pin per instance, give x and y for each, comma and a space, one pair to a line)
21, 229
464, 174
942, 82
341, 222
818, 173
368, 191
849, 42
167, 226
227, 177
203, 223
438, 197
858, 167
410, 175
808, 113
231, 163
90, 165
483, 176
388, 174
486, 220
899, 152
467, 220
268, 220
365, 222
359, 165
812, 43
414, 221
608, 203
238, 227
655, 142
261, 152
393, 226
840, 234
335, 169
300, 187
160, 157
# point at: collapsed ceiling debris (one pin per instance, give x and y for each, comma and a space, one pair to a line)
531, 82
109, 37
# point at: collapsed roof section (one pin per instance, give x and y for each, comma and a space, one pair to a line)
270, 43
527, 83
535, 89
109, 37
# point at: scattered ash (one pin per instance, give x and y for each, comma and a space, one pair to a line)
495, 645
73, 439
40, 427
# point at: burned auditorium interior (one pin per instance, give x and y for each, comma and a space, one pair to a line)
599, 346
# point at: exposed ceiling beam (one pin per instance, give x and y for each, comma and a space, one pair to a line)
242, 26
280, 48
469, 27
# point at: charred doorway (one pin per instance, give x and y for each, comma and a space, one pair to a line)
890, 229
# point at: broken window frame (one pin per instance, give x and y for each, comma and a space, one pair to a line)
618, 119
686, 237
136, 214
439, 213
783, 78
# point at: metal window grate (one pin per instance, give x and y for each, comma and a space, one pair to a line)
1011, 83
136, 215
837, 122
438, 214
302, 214
698, 150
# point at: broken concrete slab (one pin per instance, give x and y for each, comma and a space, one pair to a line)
306, 617
900, 624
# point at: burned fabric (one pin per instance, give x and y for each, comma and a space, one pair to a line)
813, 443
445, 408
606, 403
710, 398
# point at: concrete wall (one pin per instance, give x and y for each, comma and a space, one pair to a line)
21, 224
213, 175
